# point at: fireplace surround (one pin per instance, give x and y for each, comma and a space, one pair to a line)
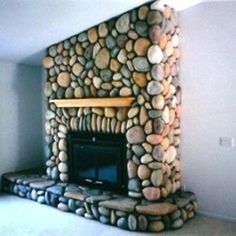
135, 56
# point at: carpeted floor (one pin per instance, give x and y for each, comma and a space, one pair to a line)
21, 217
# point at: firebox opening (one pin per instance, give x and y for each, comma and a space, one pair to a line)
98, 159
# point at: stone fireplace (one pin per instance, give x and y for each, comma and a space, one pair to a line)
133, 55
133, 59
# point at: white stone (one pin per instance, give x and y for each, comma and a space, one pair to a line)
63, 167
155, 54
175, 40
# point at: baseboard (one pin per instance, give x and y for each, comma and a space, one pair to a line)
217, 216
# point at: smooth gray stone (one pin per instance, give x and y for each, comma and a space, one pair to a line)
71, 205
60, 92
48, 151
154, 114
41, 199
132, 222
63, 199
177, 224
95, 211
122, 223
175, 215
141, 64
52, 51
97, 198
141, 28
134, 185
80, 211
125, 71
106, 75
54, 200
55, 173
104, 211
123, 23
56, 189
42, 184
110, 42
104, 219
138, 150
82, 37
69, 93
114, 92
88, 54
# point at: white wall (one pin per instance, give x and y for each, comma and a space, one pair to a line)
208, 75
20, 117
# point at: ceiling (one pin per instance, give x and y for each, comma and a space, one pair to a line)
28, 27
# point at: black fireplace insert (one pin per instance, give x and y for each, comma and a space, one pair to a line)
98, 159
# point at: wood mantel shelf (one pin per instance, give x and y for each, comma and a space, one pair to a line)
94, 102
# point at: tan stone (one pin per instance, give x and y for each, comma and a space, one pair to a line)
143, 172
102, 30
129, 45
122, 56
48, 62
167, 11
176, 53
154, 139
125, 92
142, 12
152, 193
63, 79
140, 79
122, 113
165, 143
77, 69
156, 226
98, 111
102, 59
170, 154
166, 115
147, 147
132, 169
143, 117
166, 131
59, 48
141, 46
78, 49
92, 35
148, 127
156, 209
114, 65
133, 112
75, 195
163, 41
120, 204
158, 102
109, 112
169, 49
172, 117
157, 178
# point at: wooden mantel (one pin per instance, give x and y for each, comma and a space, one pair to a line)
94, 102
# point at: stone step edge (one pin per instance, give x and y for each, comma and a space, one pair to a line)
139, 210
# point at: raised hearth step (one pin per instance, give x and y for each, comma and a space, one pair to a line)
107, 207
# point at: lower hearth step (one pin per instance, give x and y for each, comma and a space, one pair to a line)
105, 206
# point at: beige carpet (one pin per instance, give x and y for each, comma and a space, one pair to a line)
21, 217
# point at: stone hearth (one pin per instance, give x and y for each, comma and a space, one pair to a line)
133, 55
105, 206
